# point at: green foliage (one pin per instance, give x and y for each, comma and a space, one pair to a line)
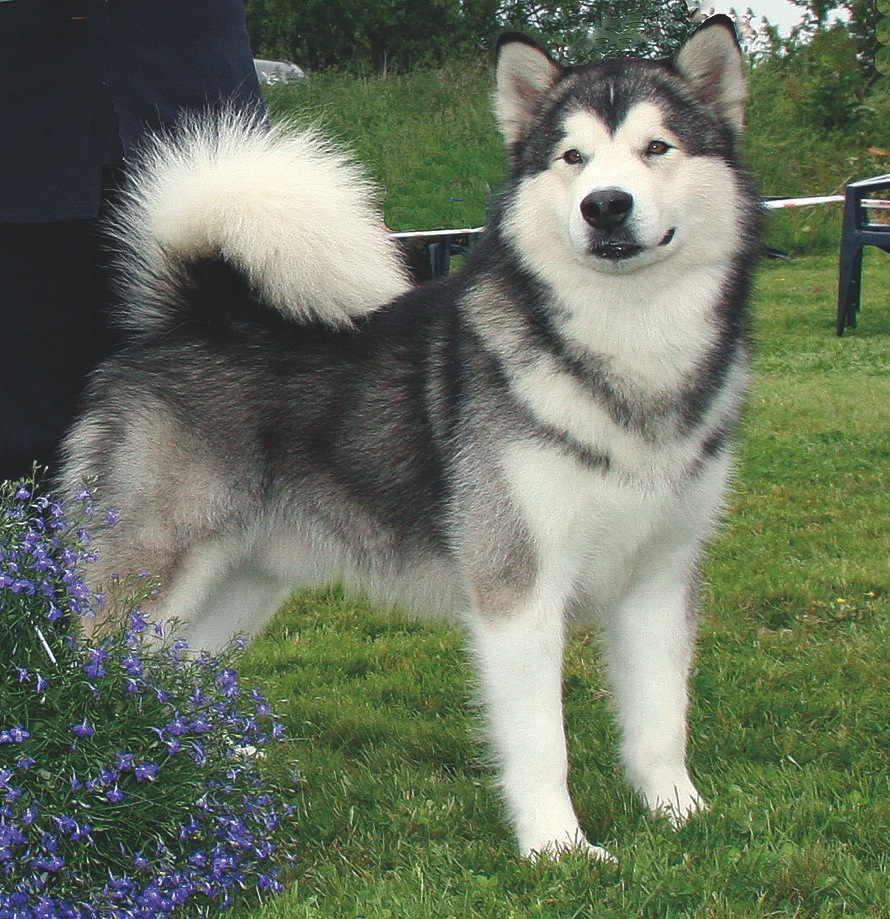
386, 35
824, 80
397, 35
861, 19
582, 30
814, 126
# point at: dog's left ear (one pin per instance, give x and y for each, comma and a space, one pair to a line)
524, 74
711, 62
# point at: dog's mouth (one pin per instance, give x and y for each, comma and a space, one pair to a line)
620, 250
615, 251
668, 237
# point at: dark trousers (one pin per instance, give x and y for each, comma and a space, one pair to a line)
53, 306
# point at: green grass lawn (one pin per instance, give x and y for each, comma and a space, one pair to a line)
791, 713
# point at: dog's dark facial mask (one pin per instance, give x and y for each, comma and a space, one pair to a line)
528, 80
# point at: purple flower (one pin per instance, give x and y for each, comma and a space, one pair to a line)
198, 859
16, 734
122, 885
66, 824
132, 664
49, 842
146, 772
176, 728
83, 729
138, 622
53, 864
95, 669
189, 829
82, 832
227, 836
10, 836
269, 882
227, 678
30, 814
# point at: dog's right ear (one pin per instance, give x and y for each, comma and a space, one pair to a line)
525, 73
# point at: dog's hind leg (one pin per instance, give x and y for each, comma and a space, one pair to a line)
216, 595
519, 659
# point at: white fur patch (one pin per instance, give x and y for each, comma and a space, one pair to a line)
282, 204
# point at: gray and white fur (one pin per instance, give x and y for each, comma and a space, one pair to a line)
542, 438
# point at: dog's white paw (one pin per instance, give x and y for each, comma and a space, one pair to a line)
678, 802
570, 842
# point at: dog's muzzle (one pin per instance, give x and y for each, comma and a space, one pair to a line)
606, 212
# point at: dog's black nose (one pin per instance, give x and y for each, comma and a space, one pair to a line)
607, 208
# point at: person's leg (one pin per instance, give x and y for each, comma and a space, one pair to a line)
52, 335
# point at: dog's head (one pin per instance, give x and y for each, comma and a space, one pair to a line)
622, 163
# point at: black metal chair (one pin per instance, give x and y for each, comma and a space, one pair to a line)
857, 232
428, 253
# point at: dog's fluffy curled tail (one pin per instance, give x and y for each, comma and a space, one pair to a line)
282, 206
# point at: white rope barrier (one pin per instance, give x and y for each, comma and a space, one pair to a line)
416, 234
781, 203
770, 205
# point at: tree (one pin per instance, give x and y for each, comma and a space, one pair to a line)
387, 34
400, 34
862, 22
587, 29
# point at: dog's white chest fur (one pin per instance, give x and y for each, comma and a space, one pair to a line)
591, 528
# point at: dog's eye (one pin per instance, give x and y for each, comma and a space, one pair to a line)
572, 157
657, 148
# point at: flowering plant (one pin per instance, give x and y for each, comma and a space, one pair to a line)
131, 780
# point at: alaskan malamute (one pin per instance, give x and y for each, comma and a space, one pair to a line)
540, 438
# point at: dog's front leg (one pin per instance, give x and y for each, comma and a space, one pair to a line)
649, 645
520, 656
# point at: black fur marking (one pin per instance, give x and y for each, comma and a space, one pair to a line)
609, 89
